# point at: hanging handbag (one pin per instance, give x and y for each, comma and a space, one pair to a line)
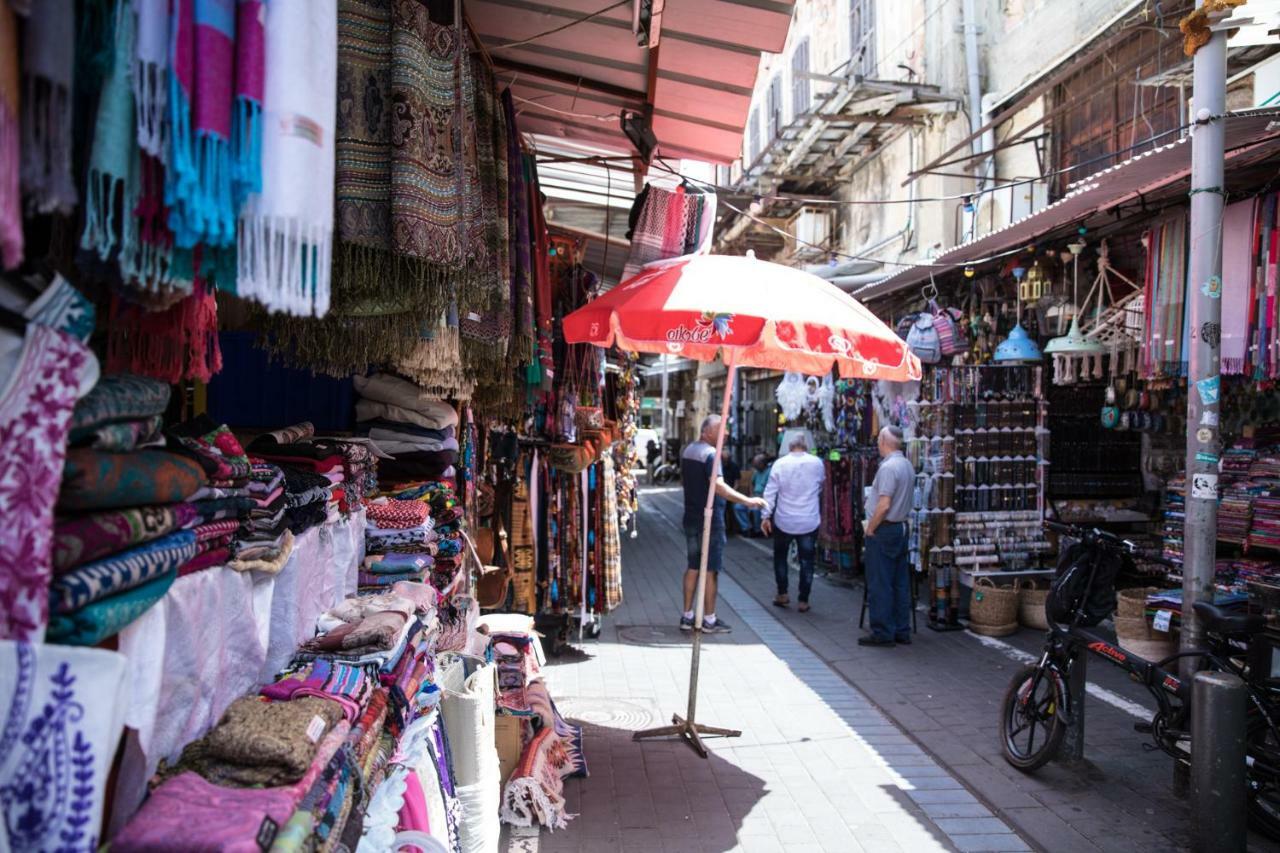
950, 328
588, 417
569, 458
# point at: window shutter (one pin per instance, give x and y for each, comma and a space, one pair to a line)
799, 82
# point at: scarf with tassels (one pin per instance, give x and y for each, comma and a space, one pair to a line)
150, 74
113, 172
48, 68
518, 235
214, 105
10, 145
285, 238
174, 345
435, 364
147, 257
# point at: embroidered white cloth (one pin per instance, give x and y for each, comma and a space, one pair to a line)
65, 709
285, 236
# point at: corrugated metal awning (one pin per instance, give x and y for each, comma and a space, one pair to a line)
575, 83
1248, 134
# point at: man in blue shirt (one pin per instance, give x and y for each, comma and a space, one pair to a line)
697, 463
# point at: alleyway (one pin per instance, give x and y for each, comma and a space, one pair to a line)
843, 748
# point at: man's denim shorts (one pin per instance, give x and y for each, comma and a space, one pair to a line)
693, 545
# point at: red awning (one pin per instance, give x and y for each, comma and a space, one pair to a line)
574, 83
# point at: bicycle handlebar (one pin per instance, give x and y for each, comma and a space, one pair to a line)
1103, 537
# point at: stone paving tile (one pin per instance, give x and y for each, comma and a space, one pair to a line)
818, 767
944, 692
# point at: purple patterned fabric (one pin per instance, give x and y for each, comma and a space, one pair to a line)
36, 400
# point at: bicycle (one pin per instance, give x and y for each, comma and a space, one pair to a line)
1082, 595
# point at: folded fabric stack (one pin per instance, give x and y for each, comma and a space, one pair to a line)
227, 500
348, 467
295, 766
1175, 515
534, 795
445, 517
126, 524
410, 425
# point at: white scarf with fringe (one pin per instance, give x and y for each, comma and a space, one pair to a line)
285, 234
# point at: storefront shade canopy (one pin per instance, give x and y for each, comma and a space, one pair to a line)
753, 313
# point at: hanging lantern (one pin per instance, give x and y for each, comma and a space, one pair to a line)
1033, 286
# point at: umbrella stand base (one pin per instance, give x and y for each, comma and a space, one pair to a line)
691, 732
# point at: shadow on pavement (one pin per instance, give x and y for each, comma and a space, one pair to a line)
652, 796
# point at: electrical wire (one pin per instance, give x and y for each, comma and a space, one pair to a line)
560, 28
972, 195
905, 264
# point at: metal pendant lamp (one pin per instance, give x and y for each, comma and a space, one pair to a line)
1074, 341
1018, 346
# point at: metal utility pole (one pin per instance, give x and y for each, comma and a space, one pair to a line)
1204, 297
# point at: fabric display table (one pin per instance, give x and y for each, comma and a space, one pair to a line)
247, 626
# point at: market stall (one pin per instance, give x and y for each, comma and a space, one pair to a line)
287, 395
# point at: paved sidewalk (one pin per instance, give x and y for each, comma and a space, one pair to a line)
818, 767
945, 691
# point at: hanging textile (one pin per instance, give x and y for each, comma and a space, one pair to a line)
1165, 289
173, 345
151, 73
1268, 250
1239, 232
216, 70
518, 235
112, 171
427, 205
435, 364
611, 562
10, 145
48, 57
286, 235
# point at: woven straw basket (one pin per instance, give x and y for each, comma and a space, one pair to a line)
1031, 606
993, 610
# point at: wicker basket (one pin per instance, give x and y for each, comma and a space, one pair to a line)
1031, 606
993, 610
1133, 602
1153, 650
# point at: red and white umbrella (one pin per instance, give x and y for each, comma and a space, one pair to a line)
754, 313
751, 313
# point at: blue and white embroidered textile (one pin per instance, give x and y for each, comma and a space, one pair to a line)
62, 710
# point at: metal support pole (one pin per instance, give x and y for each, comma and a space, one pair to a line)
688, 727
1073, 743
662, 459
1204, 297
1218, 808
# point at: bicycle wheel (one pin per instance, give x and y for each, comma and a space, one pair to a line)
1031, 725
1263, 786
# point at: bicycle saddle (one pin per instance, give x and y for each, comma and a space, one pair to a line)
1221, 621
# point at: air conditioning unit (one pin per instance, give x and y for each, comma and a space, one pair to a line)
812, 227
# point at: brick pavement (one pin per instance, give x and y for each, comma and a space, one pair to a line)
818, 768
944, 692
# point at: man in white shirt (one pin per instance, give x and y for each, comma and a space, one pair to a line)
792, 510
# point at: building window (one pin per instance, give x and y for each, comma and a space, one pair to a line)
862, 37
799, 82
774, 114
753, 137
1105, 113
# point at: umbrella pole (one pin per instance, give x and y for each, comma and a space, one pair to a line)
687, 727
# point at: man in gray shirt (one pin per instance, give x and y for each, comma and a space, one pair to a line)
888, 574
